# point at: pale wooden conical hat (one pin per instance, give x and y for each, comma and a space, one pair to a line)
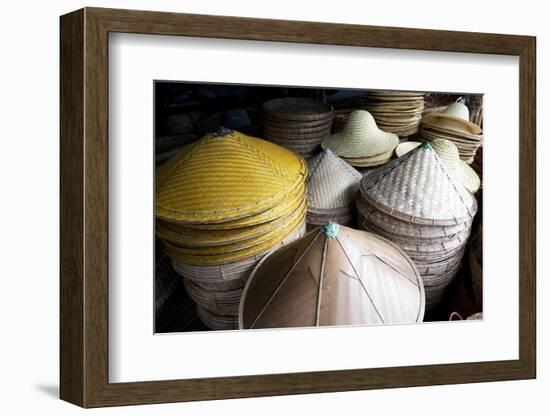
333, 276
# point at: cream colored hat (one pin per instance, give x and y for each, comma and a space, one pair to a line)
360, 138
448, 153
456, 117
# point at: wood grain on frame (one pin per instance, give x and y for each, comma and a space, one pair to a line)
84, 207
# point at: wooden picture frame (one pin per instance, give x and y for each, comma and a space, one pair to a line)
84, 207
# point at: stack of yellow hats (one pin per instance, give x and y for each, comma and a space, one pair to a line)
221, 204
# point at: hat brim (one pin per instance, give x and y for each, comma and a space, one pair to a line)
452, 123
462, 172
378, 144
405, 147
467, 176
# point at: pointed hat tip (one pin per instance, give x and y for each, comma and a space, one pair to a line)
330, 229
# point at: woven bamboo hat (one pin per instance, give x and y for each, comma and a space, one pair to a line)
420, 189
331, 184
227, 253
456, 117
333, 276
360, 138
299, 124
397, 112
225, 177
448, 153
417, 203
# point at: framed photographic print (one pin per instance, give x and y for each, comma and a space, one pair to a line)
255, 207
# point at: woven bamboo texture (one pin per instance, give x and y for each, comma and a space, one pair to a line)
454, 124
299, 124
217, 322
416, 202
396, 112
449, 155
361, 142
226, 177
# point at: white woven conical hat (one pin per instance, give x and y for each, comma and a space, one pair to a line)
448, 153
419, 188
332, 183
360, 137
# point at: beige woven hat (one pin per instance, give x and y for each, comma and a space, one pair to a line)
334, 275
331, 184
448, 153
455, 117
420, 189
360, 138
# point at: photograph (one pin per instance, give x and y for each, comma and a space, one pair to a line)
308, 206
268, 206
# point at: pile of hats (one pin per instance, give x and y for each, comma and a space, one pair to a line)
299, 124
396, 111
361, 143
448, 153
331, 187
416, 202
221, 204
453, 124
333, 276
475, 261
166, 279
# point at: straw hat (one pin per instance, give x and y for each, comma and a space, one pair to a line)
448, 153
360, 138
416, 202
331, 183
299, 124
397, 112
456, 117
419, 188
333, 276
225, 177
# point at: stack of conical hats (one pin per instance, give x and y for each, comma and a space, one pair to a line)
361, 143
448, 153
395, 111
166, 280
416, 202
221, 204
299, 124
331, 187
334, 275
453, 124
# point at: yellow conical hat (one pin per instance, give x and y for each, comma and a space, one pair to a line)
224, 177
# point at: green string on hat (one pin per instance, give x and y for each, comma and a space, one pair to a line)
425, 145
330, 229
